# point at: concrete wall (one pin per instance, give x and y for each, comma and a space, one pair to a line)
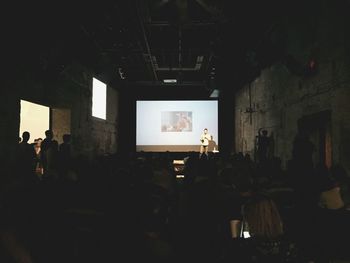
280, 96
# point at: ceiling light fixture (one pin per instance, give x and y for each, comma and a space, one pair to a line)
169, 80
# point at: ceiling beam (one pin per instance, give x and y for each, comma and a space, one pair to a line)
180, 47
216, 12
182, 9
185, 25
148, 50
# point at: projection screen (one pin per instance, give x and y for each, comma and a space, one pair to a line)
175, 126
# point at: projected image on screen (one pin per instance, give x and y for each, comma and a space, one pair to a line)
175, 126
176, 121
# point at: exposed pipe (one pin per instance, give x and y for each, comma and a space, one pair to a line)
250, 109
180, 47
250, 104
211, 9
146, 42
186, 25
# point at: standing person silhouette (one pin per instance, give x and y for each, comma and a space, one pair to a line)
26, 159
205, 138
303, 150
49, 150
65, 154
263, 145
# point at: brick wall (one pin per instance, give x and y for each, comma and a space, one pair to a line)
279, 97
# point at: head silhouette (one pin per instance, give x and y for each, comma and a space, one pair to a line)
49, 134
66, 138
25, 136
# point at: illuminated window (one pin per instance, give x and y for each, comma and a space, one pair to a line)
99, 94
34, 119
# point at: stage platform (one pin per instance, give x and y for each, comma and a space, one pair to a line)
174, 155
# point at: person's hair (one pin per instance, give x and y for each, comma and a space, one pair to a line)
205, 129
262, 217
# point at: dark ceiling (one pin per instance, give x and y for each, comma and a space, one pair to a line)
198, 42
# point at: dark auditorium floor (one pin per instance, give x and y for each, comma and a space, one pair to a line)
96, 222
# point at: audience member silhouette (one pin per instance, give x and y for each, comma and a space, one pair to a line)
201, 213
244, 189
340, 175
38, 159
147, 200
49, 150
26, 159
267, 241
329, 189
303, 150
263, 144
65, 154
65, 147
15, 248
301, 167
52, 159
46, 143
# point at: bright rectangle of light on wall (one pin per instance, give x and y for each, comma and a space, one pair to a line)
99, 99
35, 119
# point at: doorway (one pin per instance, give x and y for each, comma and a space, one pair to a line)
318, 127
